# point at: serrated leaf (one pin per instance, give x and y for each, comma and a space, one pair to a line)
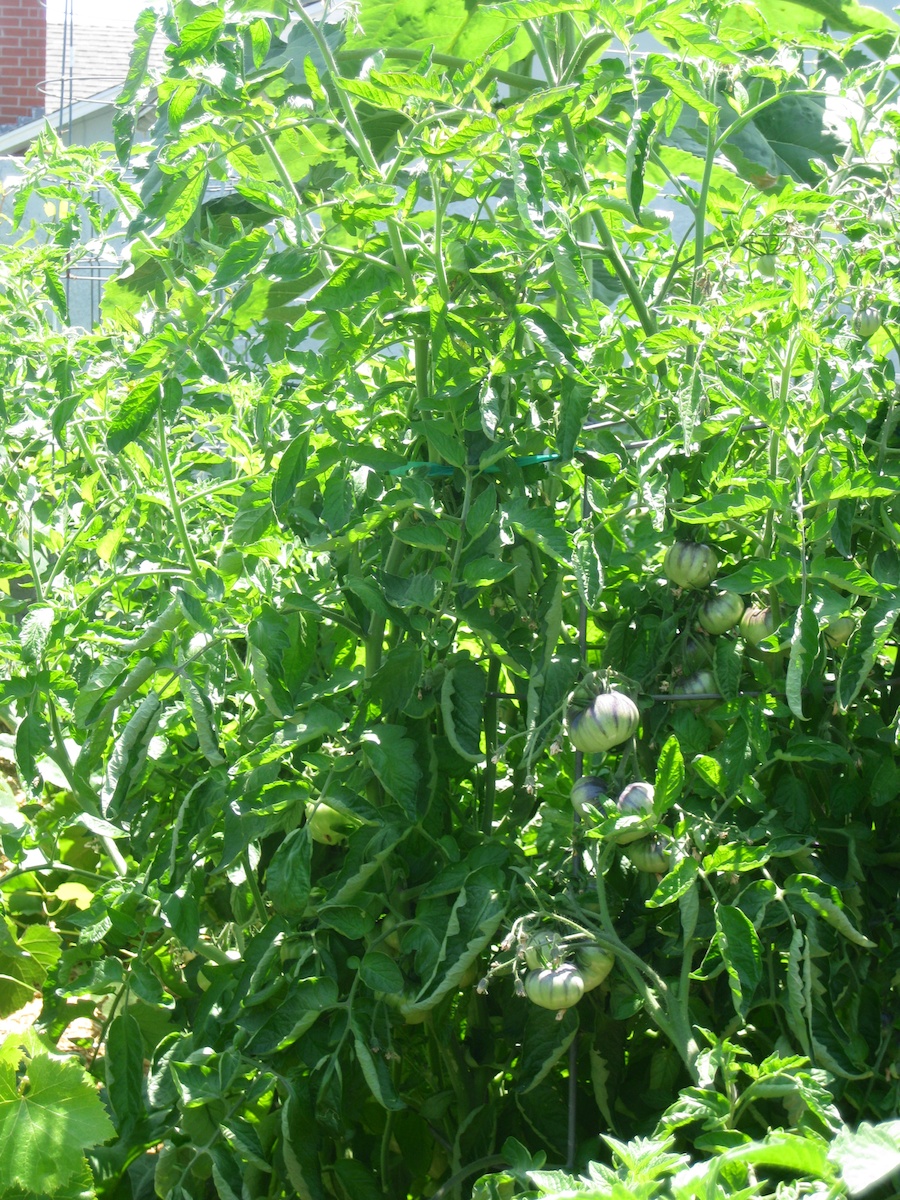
290, 472
48, 1117
391, 754
241, 258
376, 1071
544, 1042
826, 902
126, 763
804, 648
462, 707
727, 667
863, 649
710, 771
674, 883
288, 874
134, 414
300, 1143
669, 777
866, 1156
742, 954
395, 681
125, 1069
539, 526
587, 568
639, 133
34, 632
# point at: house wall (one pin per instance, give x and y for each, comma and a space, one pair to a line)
23, 52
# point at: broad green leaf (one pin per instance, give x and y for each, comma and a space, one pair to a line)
731, 859
126, 763
742, 953
396, 680
538, 525
134, 414
288, 875
728, 667
669, 777
241, 257
376, 1071
198, 35
391, 754
863, 649
867, 1155
710, 771
379, 972
49, 1116
544, 1042
804, 648
125, 1069
826, 902
674, 884
300, 1143
462, 703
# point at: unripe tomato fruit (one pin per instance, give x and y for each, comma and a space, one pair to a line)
610, 719
690, 564
543, 950
720, 613
637, 798
650, 855
765, 264
838, 633
757, 624
635, 801
556, 989
326, 825
701, 684
695, 654
589, 789
594, 964
866, 322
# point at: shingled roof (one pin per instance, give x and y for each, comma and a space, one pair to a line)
96, 58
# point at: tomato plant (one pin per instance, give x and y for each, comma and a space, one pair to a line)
439, 418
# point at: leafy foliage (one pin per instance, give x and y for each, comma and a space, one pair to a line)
418, 365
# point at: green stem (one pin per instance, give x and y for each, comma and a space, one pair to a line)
174, 501
35, 574
618, 263
375, 636
702, 199
489, 781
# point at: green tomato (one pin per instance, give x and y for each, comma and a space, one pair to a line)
650, 855
701, 684
695, 654
690, 564
838, 633
766, 266
610, 719
589, 789
326, 825
720, 613
866, 322
635, 801
594, 964
543, 950
757, 624
556, 989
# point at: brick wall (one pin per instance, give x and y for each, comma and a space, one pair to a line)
23, 53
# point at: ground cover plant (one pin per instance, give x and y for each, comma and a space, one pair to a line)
449, 612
